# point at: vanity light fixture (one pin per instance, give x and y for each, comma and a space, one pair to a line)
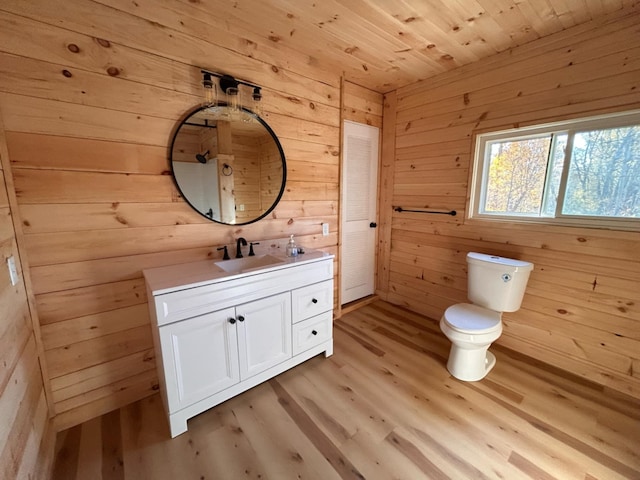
210, 90
231, 88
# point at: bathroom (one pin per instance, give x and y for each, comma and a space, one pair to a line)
91, 93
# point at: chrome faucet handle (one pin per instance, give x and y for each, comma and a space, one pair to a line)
251, 244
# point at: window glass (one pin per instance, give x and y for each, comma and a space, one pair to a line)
515, 180
604, 174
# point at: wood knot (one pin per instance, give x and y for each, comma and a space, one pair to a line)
430, 46
581, 239
274, 38
73, 48
67, 73
290, 222
562, 311
113, 71
446, 57
103, 43
274, 69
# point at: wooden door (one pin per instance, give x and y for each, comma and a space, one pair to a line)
358, 210
200, 357
264, 333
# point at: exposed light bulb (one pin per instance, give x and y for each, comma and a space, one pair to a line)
210, 90
233, 100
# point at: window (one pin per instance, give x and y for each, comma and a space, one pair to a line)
584, 172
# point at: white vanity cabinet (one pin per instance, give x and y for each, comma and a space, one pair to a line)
218, 334
200, 357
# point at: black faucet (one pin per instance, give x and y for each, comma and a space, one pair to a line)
251, 252
226, 253
239, 243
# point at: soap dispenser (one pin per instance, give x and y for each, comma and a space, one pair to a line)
292, 249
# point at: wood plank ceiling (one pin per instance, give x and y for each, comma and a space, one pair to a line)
386, 44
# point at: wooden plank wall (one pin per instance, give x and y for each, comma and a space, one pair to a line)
90, 93
359, 104
581, 311
26, 436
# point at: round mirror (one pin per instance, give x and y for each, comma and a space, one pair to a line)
229, 167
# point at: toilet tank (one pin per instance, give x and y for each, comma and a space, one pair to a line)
497, 283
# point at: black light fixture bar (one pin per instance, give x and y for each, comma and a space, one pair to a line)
228, 78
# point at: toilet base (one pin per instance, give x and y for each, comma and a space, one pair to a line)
470, 365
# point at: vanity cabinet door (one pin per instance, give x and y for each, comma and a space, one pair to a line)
200, 357
264, 333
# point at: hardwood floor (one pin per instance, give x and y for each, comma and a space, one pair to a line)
382, 407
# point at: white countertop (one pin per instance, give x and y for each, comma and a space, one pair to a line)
170, 278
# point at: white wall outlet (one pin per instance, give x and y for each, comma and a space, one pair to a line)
241, 207
13, 273
325, 229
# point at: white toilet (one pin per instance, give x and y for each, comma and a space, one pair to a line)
495, 285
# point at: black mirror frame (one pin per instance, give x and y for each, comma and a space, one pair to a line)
275, 139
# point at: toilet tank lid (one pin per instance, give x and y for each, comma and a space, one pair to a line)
473, 257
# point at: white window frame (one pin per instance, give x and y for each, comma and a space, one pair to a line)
570, 127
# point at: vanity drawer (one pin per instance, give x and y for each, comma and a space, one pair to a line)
311, 332
312, 300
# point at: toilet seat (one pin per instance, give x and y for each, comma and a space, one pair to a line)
472, 319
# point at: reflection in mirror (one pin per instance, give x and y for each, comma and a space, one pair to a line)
230, 168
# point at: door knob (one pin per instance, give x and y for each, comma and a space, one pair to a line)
232, 321
240, 318
373, 224
314, 300
314, 332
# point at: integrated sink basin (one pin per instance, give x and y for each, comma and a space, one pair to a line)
241, 265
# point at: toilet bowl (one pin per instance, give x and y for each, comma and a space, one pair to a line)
495, 285
471, 330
